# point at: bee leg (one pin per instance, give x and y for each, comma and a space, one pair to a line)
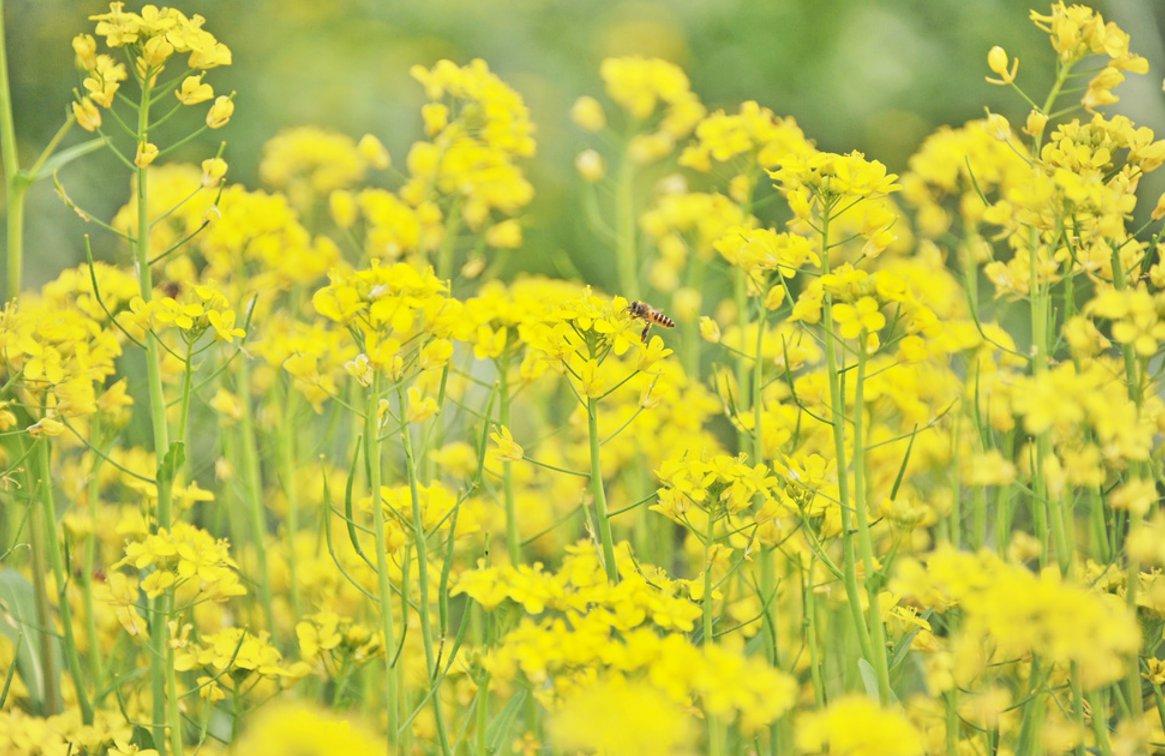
643, 336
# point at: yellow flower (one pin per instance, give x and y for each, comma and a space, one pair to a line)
223, 323
87, 115
637, 719
507, 449
709, 330
420, 407
146, 154
505, 235
220, 112
857, 725
587, 113
46, 427
213, 171
1137, 496
862, 316
997, 62
590, 166
373, 152
193, 90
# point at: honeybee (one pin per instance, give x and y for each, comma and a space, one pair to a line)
650, 316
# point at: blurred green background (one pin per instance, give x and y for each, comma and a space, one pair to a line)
875, 75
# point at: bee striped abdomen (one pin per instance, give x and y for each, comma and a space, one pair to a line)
650, 316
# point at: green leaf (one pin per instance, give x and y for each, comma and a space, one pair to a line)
64, 157
18, 623
499, 728
172, 462
869, 679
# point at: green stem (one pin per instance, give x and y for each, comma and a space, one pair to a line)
372, 458
1099, 719
1133, 567
15, 183
837, 420
602, 521
865, 540
253, 476
816, 657
290, 490
481, 708
448, 249
758, 367
421, 546
513, 539
740, 298
715, 727
52, 541
625, 243
39, 567
159, 629
96, 671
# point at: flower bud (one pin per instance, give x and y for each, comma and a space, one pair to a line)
147, 153
1159, 211
590, 166
504, 235
998, 127
436, 117
342, 205
220, 112
87, 115
85, 46
213, 171
709, 330
373, 152
587, 113
1036, 121
997, 61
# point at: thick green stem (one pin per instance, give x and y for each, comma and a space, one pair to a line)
254, 486
420, 544
384, 586
626, 255
40, 570
448, 249
481, 707
513, 539
164, 729
290, 490
740, 299
602, 521
758, 368
14, 232
837, 420
1044, 501
92, 488
865, 540
1133, 567
14, 181
52, 541
715, 727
